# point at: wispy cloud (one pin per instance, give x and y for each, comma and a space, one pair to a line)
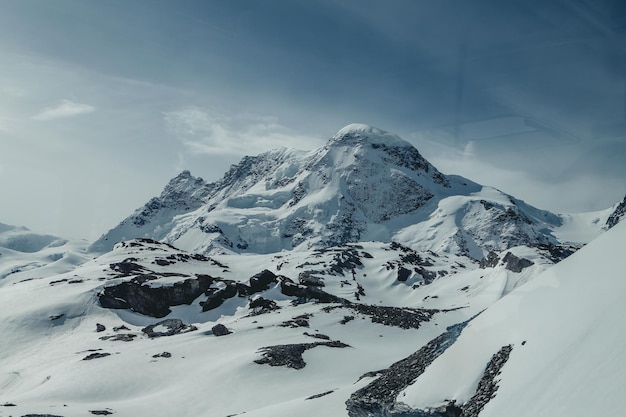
65, 109
205, 133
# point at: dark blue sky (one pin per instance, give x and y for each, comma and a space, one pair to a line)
529, 96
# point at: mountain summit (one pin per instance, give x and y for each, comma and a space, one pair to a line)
365, 184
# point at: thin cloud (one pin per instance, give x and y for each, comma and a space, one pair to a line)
204, 133
66, 109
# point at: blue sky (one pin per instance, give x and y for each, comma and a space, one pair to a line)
102, 102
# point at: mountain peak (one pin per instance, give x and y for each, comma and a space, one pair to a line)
358, 133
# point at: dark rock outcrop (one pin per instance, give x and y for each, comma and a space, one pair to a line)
261, 281
556, 253
260, 305
291, 355
617, 215
489, 261
121, 337
168, 327
403, 274
153, 301
217, 296
220, 330
306, 293
96, 355
515, 264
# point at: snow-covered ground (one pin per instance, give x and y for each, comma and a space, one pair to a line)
569, 350
290, 287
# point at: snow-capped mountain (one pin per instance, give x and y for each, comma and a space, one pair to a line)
353, 280
363, 185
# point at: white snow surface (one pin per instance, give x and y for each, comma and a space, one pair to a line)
569, 350
355, 214
24, 253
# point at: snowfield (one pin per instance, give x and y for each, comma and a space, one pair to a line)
354, 280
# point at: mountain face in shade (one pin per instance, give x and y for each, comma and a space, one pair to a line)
364, 184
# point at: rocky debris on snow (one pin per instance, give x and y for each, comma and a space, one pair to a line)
56, 317
220, 330
100, 328
291, 355
298, 321
515, 264
410, 261
120, 328
128, 267
556, 253
312, 397
101, 412
40, 415
162, 355
346, 319
308, 279
168, 327
121, 337
488, 384
405, 318
317, 336
378, 397
96, 355
260, 305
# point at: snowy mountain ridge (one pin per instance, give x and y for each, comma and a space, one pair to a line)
364, 184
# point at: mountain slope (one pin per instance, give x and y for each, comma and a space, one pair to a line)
24, 253
567, 355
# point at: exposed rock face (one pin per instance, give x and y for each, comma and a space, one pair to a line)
261, 281
153, 301
510, 261
617, 215
556, 253
515, 264
489, 261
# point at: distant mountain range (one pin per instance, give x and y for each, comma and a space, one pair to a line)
352, 280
